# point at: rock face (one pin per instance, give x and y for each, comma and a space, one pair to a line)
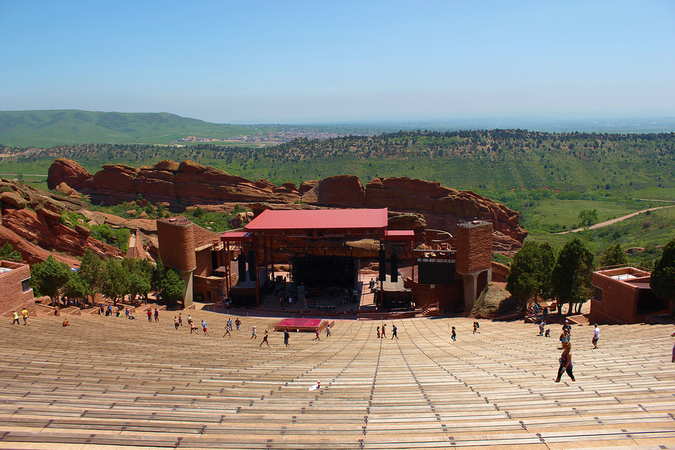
179, 185
40, 233
442, 207
190, 183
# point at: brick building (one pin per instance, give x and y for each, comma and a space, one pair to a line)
623, 295
474, 258
15, 291
197, 254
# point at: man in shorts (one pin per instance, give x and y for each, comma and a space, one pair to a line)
596, 336
206, 331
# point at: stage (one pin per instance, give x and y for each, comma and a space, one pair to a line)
307, 325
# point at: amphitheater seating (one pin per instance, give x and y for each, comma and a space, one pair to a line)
107, 382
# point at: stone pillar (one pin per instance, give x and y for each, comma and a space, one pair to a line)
188, 278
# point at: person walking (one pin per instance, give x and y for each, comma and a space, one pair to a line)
189, 319
394, 332
596, 336
206, 330
565, 362
475, 328
228, 329
287, 336
378, 332
328, 331
237, 322
253, 333
564, 337
384, 331
180, 320
24, 313
16, 318
193, 327
454, 334
673, 358
156, 315
264, 340
149, 313
318, 336
175, 322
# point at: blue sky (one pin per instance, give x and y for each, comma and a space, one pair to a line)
316, 61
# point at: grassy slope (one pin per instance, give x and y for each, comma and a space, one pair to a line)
66, 127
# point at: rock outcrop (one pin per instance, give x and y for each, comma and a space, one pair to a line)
441, 206
190, 183
37, 233
179, 185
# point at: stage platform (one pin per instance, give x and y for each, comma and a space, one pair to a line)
299, 325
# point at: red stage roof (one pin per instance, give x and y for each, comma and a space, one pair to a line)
235, 236
319, 219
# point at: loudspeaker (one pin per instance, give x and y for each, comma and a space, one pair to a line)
383, 265
394, 267
251, 265
241, 265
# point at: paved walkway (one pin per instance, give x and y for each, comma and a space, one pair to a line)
112, 383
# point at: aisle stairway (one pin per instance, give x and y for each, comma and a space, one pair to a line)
107, 382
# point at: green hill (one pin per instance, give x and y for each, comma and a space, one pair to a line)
68, 127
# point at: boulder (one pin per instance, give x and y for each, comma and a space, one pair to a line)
68, 171
64, 188
13, 199
341, 191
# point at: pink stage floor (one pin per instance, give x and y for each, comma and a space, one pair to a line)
300, 323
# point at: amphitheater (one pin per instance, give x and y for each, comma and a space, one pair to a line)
113, 383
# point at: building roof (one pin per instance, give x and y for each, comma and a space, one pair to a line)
399, 235
319, 219
235, 235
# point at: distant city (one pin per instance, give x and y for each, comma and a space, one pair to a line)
277, 137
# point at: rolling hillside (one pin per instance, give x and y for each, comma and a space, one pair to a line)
68, 127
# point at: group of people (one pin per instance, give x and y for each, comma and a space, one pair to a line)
383, 334
15, 317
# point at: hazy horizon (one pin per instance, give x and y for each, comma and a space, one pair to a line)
296, 62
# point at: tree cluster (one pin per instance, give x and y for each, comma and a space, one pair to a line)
537, 271
114, 278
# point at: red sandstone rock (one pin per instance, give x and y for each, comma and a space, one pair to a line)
342, 191
13, 199
36, 230
64, 189
191, 183
68, 171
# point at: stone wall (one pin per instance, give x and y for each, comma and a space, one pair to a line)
12, 295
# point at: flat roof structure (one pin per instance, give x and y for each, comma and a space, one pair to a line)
319, 219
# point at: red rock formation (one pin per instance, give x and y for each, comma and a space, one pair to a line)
180, 185
68, 171
190, 183
442, 207
52, 235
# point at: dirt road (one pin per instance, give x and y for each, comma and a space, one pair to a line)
613, 221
